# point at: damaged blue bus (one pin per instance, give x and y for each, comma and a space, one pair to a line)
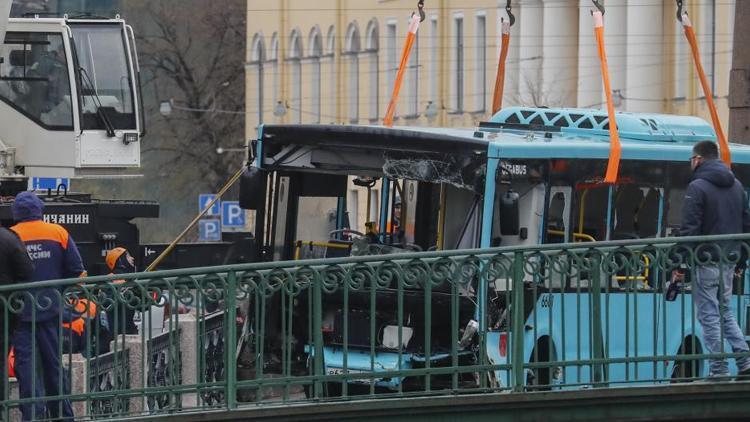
528, 177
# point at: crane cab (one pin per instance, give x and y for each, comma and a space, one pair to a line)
69, 98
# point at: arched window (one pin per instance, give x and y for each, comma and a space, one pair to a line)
273, 68
351, 49
257, 59
331, 53
372, 44
316, 51
295, 61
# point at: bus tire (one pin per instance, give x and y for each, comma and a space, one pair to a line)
689, 369
540, 379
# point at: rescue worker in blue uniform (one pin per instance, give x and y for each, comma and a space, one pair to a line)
55, 256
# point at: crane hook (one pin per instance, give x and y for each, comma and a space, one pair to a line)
420, 6
598, 6
679, 10
510, 14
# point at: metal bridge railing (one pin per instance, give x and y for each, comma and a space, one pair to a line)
564, 316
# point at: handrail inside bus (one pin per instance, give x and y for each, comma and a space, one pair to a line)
582, 236
300, 243
643, 277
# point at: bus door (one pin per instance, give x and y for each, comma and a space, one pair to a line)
307, 208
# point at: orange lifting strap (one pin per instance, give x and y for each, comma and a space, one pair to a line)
410, 37
682, 16
497, 98
613, 166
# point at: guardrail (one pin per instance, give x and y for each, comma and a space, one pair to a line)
562, 316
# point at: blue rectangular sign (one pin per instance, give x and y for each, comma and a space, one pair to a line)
209, 230
232, 216
48, 183
204, 199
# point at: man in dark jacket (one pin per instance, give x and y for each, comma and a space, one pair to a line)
15, 267
715, 203
55, 256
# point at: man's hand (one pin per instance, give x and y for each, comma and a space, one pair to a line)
678, 275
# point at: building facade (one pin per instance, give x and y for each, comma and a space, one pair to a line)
335, 61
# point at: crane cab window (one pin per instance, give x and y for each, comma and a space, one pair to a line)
34, 78
106, 81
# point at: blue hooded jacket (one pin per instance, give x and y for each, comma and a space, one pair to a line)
52, 251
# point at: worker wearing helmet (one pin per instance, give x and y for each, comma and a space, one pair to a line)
55, 256
120, 315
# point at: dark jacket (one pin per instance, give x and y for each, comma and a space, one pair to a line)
715, 203
15, 264
15, 267
51, 249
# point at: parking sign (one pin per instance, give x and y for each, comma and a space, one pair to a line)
232, 216
204, 199
209, 230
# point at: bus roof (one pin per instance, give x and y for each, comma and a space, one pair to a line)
525, 133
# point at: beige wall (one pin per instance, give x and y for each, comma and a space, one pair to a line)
553, 59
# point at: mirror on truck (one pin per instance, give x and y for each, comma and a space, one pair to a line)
509, 213
252, 184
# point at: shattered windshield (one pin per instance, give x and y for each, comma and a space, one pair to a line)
461, 172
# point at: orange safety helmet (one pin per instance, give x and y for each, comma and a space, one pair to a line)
112, 257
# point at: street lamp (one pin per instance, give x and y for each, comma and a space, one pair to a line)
279, 110
222, 150
431, 111
166, 107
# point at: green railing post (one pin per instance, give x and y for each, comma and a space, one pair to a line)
518, 333
596, 316
231, 300
317, 317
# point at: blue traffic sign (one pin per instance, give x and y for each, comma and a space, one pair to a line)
232, 216
48, 183
204, 199
209, 230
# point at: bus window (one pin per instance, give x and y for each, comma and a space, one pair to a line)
674, 214
647, 217
628, 200
461, 222
590, 213
557, 218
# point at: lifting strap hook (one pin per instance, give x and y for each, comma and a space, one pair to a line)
598, 6
508, 10
420, 6
679, 10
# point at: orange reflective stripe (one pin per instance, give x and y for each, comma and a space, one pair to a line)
615, 150
84, 306
726, 155
30, 231
497, 98
410, 37
76, 326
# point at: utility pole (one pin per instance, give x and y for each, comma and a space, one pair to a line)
739, 80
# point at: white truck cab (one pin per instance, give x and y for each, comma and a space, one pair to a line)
69, 98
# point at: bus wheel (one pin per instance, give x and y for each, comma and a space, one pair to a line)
540, 378
687, 370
